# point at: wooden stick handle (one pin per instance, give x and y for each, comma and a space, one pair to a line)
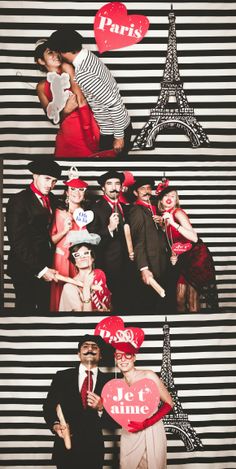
62, 421
78, 283
157, 287
128, 239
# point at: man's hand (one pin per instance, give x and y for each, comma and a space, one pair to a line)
118, 144
94, 401
113, 221
71, 104
146, 275
60, 430
50, 275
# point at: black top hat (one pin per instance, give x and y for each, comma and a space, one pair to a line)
49, 167
163, 188
92, 338
143, 181
112, 174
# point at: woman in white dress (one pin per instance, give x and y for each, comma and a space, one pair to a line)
144, 445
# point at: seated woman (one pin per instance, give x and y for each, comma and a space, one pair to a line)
79, 133
63, 224
144, 445
195, 266
91, 293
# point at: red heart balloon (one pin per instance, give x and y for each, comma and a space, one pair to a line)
114, 29
130, 403
180, 248
112, 330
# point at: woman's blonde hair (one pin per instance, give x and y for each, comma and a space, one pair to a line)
160, 205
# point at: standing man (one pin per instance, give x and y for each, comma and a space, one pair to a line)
28, 218
78, 392
99, 87
150, 246
109, 218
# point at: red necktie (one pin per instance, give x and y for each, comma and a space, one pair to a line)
44, 198
86, 386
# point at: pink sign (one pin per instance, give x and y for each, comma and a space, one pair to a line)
112, 330
114, 28
180, 248
130, 403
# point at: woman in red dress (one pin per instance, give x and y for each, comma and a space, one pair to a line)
195, 266
62, 227
79, 133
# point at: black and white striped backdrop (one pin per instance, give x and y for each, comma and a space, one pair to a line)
207, 191
203, 364
206, 51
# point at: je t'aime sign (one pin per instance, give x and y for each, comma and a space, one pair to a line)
127, 403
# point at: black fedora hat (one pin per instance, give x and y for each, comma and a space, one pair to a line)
46, 166
112, 174
143, 181
92, 338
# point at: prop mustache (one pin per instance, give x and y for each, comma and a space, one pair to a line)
90, 353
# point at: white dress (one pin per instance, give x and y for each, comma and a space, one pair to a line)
146, 449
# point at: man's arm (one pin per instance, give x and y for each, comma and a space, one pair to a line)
52, 399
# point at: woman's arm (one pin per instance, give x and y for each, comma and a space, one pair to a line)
183, 225
41, 95
165, 398
87, 291
68, 68
57, 236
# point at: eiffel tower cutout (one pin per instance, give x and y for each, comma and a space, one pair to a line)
176, 422
172, 108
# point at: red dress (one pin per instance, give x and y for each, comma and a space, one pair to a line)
78, 134
60, 261
196, 266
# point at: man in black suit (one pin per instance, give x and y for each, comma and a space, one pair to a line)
28, 218
84, 416
109, 218
150, 246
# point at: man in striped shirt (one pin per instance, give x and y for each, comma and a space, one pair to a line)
99, 88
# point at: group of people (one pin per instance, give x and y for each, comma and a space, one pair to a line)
96, 264
94, 120
78, 392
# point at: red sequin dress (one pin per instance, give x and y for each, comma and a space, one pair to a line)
79, 133
196, 266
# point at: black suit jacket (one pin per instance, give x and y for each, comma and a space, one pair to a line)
112, 250
27, 224
149, 241
85, 424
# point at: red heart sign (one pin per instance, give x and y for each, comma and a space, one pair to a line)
126, 403
112, 330
114, 29
180, 248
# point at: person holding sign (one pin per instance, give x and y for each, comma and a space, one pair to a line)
63, 224
79, 133
99, 88
91, 292
77, 391
143, 445
194, 263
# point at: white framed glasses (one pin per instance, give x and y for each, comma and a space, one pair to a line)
81, 255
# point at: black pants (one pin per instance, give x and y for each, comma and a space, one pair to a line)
106, 141
32, 295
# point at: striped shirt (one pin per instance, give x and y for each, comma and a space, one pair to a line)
102, 93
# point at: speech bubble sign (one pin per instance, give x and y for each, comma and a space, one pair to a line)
83, 217
179, 248
126, 403
113, 331
114, 28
